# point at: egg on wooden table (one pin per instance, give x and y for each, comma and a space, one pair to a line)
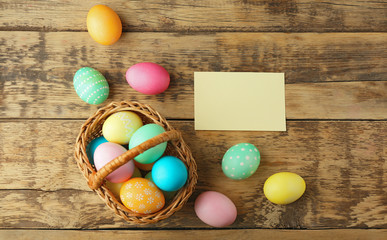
284, 187
104, 25
241, 161
141, 196
148, 78
91, 86
215, 209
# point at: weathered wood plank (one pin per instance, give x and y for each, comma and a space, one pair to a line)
240, 234
343, 163
218, 15
37, 70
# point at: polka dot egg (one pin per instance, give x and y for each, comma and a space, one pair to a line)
91, 86
241, 161
141, 196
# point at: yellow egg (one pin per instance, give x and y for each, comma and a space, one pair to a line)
119, 127
141, 196
284, 187
116, 187
136, 173
104, 25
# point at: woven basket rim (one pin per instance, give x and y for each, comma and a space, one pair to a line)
92, 128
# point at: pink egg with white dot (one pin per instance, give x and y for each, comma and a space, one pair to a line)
108, 151
215, 209
148, 78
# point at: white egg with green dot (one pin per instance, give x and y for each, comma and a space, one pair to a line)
241, 161
91, 86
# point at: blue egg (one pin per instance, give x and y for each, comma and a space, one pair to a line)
169, 173
90, 149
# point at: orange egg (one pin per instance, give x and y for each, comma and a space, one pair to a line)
141, 196
104, 25
145, 167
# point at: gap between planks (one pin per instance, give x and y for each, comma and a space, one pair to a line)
240, 234
182, 32
343, 164
305, 58
192, 120
217, 15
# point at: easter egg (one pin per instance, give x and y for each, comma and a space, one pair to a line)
105, 153
167, 195
141, 196
148, 78
91, 86
241, 161
136, 173
215, 209
284, 187
116, 187
120, 126
169, 173
104, 25
145, 167
144, 133
90, 149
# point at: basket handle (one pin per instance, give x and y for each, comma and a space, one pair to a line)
96, 178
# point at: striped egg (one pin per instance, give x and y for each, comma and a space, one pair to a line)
91, 86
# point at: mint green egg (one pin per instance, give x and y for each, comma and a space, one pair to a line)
143, 134
91, 86
241, 161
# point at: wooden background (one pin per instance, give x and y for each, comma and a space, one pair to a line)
333, 53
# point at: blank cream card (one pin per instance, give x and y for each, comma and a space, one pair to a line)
240, 101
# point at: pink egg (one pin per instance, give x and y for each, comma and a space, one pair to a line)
215, 209
107, 152
148, 78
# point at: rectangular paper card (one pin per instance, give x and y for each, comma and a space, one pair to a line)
240, 101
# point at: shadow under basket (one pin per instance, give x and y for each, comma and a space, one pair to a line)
176, 146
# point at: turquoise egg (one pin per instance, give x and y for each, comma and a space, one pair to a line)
91, 86
241, 161
169, 173
167, 195
143, 134
90, 149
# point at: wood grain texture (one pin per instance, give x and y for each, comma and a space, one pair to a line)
218, 15
343, 164
334, 56
37, 70
240, 234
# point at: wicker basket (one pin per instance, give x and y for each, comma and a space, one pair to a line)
92, 128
